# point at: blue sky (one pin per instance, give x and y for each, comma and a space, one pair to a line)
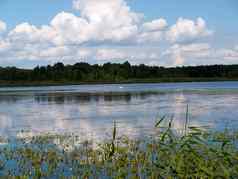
220, 17
221, 14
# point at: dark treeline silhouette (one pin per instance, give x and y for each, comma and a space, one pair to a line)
111, 72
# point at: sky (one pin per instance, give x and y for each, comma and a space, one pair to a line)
155, 32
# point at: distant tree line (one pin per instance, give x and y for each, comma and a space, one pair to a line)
113, 72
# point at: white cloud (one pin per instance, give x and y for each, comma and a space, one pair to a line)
199, 53
109, 30
26, 33
186, 30
228, 54
199, 49
4, 45
181, 54
134, 54
70, 29
236, 48
111, 19
100, 21
152, 32
55, 52
150, 37
155, 25
116, 12
110, 54
3, 26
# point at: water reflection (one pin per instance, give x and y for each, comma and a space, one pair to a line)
61, 98
82, 98
91, 114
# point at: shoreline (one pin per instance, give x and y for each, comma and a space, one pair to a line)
131, 81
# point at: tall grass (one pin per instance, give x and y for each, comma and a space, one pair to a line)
195, 154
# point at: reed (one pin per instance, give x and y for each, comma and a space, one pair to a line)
195, 154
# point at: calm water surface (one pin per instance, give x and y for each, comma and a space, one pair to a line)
89, 110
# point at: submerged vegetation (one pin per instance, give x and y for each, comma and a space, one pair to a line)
113, 73
194, 153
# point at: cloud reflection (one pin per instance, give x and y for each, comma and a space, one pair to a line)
91, 116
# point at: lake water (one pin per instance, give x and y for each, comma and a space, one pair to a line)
89, 110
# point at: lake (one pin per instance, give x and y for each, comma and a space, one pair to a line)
89, 110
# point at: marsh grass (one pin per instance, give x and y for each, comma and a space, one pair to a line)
196, 153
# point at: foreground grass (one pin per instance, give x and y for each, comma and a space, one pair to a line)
193, 154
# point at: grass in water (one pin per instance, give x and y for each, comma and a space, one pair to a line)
195, 154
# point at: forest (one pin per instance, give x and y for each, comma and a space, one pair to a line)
114, 72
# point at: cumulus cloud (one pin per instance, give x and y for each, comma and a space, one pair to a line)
110, 54
228, 54
155, 25
70, 29
134, 54
116, 23
186, 30
150, 37
110, 19
236, 47
100, 22
179, 54
104, 22
198, 54
108, 30
115, 11
26, 33
3, 26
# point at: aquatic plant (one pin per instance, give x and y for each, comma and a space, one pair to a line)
197, 153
